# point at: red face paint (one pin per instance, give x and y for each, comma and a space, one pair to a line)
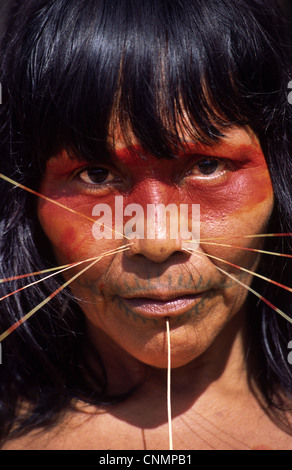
230, 182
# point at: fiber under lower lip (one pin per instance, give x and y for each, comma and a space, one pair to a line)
156, 306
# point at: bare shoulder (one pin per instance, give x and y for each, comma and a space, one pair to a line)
87, 428
70, 433
92, 429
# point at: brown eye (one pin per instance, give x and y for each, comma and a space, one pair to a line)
96, 175
208, 167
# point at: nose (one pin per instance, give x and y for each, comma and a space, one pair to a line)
156, 250
159, 227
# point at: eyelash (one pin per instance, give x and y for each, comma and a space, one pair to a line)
109, 178
218, 175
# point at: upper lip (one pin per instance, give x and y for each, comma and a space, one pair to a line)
162, 296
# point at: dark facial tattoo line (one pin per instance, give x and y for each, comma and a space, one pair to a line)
93, 287
192, 313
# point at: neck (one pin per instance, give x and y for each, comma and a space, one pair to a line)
221, 367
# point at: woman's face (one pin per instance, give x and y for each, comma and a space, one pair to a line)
128, 295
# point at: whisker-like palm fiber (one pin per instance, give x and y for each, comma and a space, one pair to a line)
289, 289
255, 250
46, 198
51, 296
250, 289
39, 280
169, 417
258, 235
37, 273
36, 193
60, 270
208, 241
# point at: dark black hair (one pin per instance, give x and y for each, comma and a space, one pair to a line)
71, 70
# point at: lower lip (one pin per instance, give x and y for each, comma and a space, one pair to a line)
156, 308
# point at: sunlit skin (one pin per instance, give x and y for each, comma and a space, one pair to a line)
229, 180
127, 297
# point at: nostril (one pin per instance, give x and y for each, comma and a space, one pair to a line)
156, 250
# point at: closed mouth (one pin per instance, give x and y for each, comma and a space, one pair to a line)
156, 307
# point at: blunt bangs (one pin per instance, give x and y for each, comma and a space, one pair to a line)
153, 67
75, 74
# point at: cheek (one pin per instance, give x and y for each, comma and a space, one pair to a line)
230, 221
243, 205
73, 242
69, 231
